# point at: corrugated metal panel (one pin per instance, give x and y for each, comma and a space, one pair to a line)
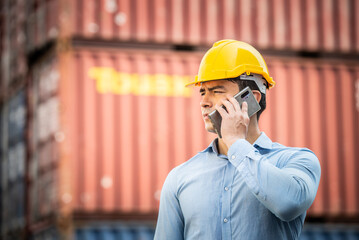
2, 48
100, 231
120, 120
128, 127
46, 234
14, 65
16, 149
2, 168
13, 149
43, 164
316, 102
310, 232
15, 204
115, 231
120, 231
42, 22
143, 231
330, 231
123, 109
280, 24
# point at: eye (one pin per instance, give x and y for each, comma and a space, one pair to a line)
218, 92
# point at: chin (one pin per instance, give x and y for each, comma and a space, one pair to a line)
210, 128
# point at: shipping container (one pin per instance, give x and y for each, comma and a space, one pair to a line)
105, 230
140, 85
15, 203
318, 103
315, 26
50, 233
2, 36
330, 231
13, 54
116, 121
13, 157
107, 123
131, 111
42, 22
2, 162
43, 168
101, 231
16, 136
145, 231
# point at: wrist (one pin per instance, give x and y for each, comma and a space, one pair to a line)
231, 140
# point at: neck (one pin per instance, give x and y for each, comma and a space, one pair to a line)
252, 136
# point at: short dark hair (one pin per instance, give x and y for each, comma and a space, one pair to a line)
253, 86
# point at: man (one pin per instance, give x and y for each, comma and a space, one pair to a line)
243, 186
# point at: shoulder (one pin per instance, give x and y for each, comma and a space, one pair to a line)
183, 170
293, 151
295, 156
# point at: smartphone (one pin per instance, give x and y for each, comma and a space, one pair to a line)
246, 95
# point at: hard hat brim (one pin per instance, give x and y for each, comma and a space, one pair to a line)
271, 83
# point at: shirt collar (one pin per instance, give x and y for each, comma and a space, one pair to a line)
262, 141
212, 147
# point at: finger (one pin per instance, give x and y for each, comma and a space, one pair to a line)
245, 107
221, 110
235, 104
228, 105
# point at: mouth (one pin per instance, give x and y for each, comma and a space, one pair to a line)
205, 116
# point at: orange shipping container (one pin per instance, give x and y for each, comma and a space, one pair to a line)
319, 26
318, 102
128, 119
125, 120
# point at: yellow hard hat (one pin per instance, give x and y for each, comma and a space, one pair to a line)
230, 59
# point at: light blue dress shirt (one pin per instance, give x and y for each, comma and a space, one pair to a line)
260, 191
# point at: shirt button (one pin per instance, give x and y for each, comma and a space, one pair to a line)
225, 220
233, 156
226, 188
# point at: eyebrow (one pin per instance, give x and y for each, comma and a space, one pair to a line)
212, 88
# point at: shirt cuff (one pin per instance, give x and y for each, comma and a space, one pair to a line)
238, 151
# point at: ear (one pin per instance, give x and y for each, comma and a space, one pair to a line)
257, 94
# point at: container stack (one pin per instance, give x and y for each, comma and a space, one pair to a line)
13, 110
94, 112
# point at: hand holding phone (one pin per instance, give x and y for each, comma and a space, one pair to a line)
246, 95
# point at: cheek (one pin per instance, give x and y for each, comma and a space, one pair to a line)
218, 100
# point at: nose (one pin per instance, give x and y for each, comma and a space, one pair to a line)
206, 101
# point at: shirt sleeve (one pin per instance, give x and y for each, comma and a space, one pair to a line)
170, 223
287, 191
